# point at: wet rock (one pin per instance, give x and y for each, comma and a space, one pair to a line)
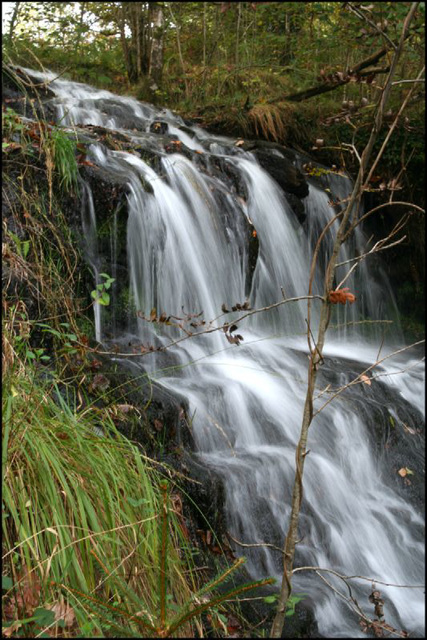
397, 436
27, 100
159, 127
297, 206
288, 177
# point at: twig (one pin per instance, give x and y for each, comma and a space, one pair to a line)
392, 128
343, 577
375, 209
378, 246
359, 380
205, 331
362, 16
260, 544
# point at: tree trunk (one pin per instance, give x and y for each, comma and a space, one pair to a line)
13, 19
181, 59
204, 34
239, 15
156, 57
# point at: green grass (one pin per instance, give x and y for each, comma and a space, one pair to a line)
80, 511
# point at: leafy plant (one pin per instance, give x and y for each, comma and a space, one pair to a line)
64, 157
291, 603
22, 246
100, 294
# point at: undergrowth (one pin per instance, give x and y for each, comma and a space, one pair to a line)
75, 504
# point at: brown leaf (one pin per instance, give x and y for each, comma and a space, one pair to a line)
63, 611
95, 364
8, 631
125, 408
239, 143
153, 314
366, 379
28, 595
158, 425
402, 472
99, 382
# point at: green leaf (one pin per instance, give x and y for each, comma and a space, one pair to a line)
43, 617
25, 248
270, 599
6, 582
137, 503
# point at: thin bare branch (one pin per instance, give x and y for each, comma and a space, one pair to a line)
359, 379
260, 544
375, 249
374, 580
377, 208
392, 128
364, 17
205, 331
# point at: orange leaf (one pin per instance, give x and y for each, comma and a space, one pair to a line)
402, 472
366, 379
341, 296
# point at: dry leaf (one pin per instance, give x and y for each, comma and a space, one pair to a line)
341, 296
409, 429
28, 595
158, 425
63, 611
8, 631
125, 408
402, 472
366, 379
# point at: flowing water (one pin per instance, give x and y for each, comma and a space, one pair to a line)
188, 252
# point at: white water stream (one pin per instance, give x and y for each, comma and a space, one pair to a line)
188, 247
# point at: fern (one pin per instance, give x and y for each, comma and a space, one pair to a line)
191, 609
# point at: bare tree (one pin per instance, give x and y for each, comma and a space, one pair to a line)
348, 216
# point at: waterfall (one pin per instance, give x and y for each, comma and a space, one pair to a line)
188, 252
91, 247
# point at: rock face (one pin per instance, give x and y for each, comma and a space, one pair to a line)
37, 101
279, 162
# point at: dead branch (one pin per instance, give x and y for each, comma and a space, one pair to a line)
377, 208
324, 88
381, 245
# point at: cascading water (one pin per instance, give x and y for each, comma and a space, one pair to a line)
188, 250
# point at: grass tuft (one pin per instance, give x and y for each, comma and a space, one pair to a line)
80, 512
